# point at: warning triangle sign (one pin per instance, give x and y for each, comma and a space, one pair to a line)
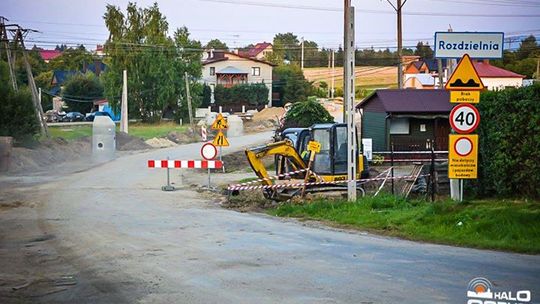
220, 140
220, 123
465, 77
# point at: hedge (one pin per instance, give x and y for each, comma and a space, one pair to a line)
249, 93
509, 155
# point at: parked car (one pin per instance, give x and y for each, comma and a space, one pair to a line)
91, 116
73, 116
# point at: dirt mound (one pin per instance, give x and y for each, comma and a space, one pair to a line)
160, 142
126, 142
259, 126
48, 154
269, 114
186, 137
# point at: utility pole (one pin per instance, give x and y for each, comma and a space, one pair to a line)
302, 61
333, 75
32, 84
330, 70
188, 97
399, 5
348, 91
124, 107
538, 68
4, 39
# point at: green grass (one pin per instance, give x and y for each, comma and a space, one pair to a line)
490, 224
144, 131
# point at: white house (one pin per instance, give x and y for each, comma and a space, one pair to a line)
229, 69
495, 78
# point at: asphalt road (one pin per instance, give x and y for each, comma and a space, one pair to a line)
119, 238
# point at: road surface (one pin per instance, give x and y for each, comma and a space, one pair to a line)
110, 235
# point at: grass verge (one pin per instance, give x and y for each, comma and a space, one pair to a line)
490, 224
144, 131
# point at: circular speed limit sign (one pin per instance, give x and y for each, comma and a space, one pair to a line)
464, 118
208, 151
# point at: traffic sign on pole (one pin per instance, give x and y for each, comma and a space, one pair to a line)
220, 123
208, 151
221, 140
464, 118
465, 77
463, 156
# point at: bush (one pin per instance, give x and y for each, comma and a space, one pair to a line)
306, 113
509, 134
18, 116
248, 94
81, 90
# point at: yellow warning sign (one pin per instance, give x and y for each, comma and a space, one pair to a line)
314, 146
465, 96
465, 77
220, 123
220, 140
463, 156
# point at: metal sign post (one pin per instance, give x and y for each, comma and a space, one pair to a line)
209, 152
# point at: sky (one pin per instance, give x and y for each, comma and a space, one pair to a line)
241, 22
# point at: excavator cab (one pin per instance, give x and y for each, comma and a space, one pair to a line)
331, 162
291, 154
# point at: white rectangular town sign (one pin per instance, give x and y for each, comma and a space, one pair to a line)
476, 44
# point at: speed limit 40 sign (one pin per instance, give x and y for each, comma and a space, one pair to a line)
464, 118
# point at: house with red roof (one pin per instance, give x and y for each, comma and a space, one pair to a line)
495, 78
48, 55
258, 51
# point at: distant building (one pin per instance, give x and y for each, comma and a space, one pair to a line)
495, 78
99, 51
259, 51
229, 69
48, 55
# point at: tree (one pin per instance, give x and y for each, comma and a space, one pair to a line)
305, 113
286, 47
71, 60
528, 48
18, 116
290, 83
156, 63
423, 50
217, 45
81, 90
43, 81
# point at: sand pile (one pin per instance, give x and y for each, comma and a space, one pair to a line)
156, 142
186, 137
269, 114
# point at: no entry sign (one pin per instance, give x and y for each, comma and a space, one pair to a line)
464, 118
208, 151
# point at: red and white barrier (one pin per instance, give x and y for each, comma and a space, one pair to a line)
191, 164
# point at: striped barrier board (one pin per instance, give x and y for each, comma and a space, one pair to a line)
191, 164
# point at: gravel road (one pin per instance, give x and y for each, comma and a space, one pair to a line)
110, 235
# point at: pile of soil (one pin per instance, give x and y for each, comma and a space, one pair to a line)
48, 154
156, 142
126, 142
259, 126
186, 137
269, 114
53, 154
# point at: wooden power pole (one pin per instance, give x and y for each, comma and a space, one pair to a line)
398, 7
188, 98
32, 84
4, 39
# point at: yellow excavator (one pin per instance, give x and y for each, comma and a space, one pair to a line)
291, 154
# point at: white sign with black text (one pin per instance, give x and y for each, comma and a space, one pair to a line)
475, 44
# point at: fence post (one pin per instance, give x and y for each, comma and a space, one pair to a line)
432, 175
392, 165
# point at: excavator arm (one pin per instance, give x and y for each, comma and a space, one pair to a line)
284, 148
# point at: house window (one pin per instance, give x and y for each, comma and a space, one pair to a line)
399, 126
256, 71
212, 71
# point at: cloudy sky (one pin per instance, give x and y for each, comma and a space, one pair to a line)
240, 22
